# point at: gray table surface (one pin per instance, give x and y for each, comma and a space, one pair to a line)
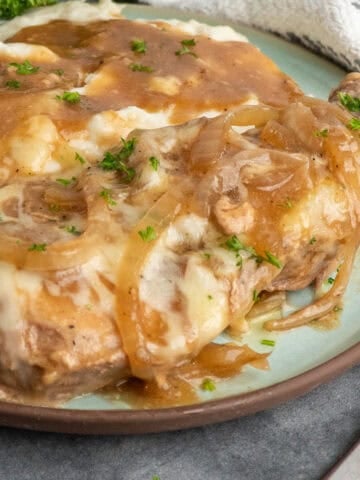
300, 440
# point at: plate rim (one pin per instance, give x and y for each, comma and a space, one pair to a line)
140, 421
111, 422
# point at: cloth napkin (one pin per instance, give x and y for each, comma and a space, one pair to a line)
328, 27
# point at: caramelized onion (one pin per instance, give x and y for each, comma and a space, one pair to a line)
131, 318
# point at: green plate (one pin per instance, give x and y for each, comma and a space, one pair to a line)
302, 358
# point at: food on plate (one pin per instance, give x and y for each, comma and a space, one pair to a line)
160, 183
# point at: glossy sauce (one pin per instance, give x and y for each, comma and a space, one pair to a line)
215, 361
221, 75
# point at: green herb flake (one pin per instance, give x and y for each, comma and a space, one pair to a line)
349, 102
208, 385
14, 84
106, 194
148, 234
322, 133
12, 8
138, 67
330, 280
207, 255
256, 296
73, 230
66, 181
186, 46
155, 477
59, 71
138, 45
117, 161
270, 258
354, 124
312, 240
25, 68
37, 247
210, 297
79, 158
234, 244
70, 97
269, 343
154, 162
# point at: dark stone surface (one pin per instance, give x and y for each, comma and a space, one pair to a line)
300, 440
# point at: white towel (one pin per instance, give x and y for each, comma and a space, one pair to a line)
329, 27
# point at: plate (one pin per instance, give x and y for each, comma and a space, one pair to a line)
302, 359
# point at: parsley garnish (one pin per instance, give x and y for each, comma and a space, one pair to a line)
79, 158
106, 194
312, 240
185, 50
117, 161
269, 343
13, 84
25, 68
208, 385
154, 162
66, 181
349, 102
12, 8
69, 97
322, 133
207, 255
73, 230
138, 45
138, 67
59, 71
272, 259
330, 280
354, 124
37, 247
148, 235
256, 296
234, 244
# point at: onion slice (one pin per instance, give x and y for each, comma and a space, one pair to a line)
131, 318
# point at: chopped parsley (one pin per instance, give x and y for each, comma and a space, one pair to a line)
208, 385
186, 46
138, 67
234, 244
349, 102
148, 234
312, 240
154, 162
270, 258
354, 124
322, 133
13, 84
138, 45
25, 68
269, 343
37, 247
330, 280
210, 297
106, 194
73, 230
256, 296
70, 97
66, 181
117, 161
59, 71
79, 158
12, 8
207, 255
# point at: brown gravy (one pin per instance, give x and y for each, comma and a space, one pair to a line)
214, 361
221, 75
